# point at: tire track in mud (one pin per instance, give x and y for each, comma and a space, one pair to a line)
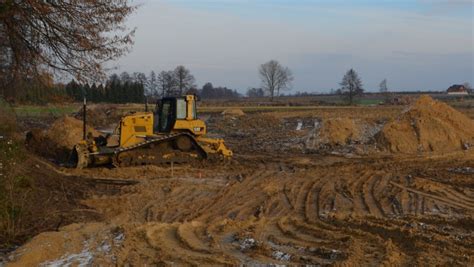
335, 216
360, 204
312, 224
373, 246
368, 189
446, 191
446, 200
350, 214
177, 244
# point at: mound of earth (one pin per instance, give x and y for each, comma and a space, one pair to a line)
67, 132
233, 112
339, 131
101, 115
428, 126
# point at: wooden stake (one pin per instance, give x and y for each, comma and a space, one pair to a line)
172, 170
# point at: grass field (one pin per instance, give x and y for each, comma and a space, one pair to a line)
247, 105
45, 111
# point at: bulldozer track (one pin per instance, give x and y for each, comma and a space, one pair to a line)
144, 153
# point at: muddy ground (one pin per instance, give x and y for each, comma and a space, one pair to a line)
291, 195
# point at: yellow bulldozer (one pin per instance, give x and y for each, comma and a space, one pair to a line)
172, 133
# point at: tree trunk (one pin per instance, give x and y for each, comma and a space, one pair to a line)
351, 92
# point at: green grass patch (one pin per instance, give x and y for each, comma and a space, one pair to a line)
43, 111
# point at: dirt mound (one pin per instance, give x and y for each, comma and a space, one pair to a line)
101, 115
339, 131
233, 112
428, 126
67, 132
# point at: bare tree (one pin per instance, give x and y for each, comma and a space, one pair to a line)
383, 86
468, 87
74, 37
185, 80
140, 78
384, 90
152, 84
125, 77
167, 83
351, 86
275, 77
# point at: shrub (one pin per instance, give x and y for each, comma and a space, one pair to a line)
7, 120
14, 186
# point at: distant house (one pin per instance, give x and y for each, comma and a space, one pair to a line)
458, 89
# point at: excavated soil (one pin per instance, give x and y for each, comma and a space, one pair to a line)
57, 140
428, 126
278, 203
101, 115
340, 131
67, 132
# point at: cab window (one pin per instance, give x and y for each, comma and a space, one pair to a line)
180, 109
194, 115
165, 116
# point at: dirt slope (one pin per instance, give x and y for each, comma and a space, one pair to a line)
57, 141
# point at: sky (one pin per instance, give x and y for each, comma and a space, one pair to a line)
414, 44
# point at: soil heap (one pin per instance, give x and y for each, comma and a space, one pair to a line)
67, 132
428, 126
339, 131
102, 115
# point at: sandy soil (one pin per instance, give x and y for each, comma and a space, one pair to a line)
281, 200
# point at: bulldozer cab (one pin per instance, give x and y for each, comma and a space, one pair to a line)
174, 114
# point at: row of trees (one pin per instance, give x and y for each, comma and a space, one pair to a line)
170, 83
208, 91
176, 83
166, 83
135, 87
116, 90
